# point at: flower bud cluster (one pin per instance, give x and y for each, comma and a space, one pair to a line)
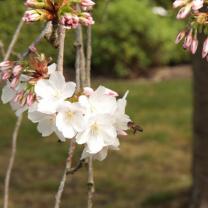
69, 13
197, 11
21, 77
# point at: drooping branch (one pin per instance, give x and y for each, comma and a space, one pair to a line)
14, 40
91, 186
2, 51
47, 29
60, 59
19, 120
88, 55
11, 161
91, 183
67, 169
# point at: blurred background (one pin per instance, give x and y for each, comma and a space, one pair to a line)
133, 48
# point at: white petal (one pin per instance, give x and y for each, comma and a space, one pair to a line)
57, 80
7, 94
46, 127
82, 138
95, 144
69, 89
48, 106
51, 68
44, 89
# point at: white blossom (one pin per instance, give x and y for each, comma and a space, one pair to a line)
51, 93
46, 123
70, 119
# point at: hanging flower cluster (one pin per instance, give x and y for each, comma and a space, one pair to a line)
93, 118
64, 12
197, 12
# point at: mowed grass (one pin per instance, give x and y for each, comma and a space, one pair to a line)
150, 168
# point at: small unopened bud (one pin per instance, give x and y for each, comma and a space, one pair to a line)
30, 99
14, 82
86, 19
17, 70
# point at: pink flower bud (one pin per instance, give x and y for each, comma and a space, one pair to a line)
6, 64
17, 70
6, 75
19, 96
87, 4
34, 4
69, 21
36, 15
30, 99
194, 45
86, 19
180, 36
14, 82
205, 48
179, 3
184, 11
188, 40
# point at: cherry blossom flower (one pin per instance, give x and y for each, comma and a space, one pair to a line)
87, 4
70, 119
46, 123
52, 92
98, 133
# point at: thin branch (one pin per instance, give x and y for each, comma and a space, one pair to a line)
67, 169
19, 120
60, 59
88, 56
14, 39
2, 49
80, 56
11, 161
76, 168
91, 183
46, 30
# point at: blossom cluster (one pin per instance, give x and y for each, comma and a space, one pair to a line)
197, 12
93, 118
64, 12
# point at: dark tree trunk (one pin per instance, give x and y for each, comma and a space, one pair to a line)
200, 132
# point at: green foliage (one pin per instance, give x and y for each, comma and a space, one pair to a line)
131, 37
127, 38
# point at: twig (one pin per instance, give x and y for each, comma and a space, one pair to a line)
76, 168
46, 29
2, 49
60, 59
19, 120
67, 169
14, 40
80, 56
91, 183
11, 161
89, 56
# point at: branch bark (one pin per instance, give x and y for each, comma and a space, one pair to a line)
14, 40
2, 49
67, 169
60, 60
91, 183
89, 56
11, 162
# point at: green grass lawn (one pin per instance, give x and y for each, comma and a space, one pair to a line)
149, 169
